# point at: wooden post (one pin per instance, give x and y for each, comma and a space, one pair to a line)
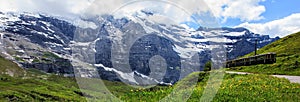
255, 45
1, 38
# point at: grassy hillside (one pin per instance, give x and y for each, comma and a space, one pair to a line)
252, 88
9, 67
234, 88
17, 84
287, 61
35, 89
249, 88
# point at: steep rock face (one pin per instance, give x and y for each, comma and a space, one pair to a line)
240, 48
103, 56
169, 44
152, 45
48, 32
31, 35
58, 66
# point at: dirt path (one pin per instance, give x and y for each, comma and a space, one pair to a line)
292, 79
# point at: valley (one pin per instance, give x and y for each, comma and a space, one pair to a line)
44, 58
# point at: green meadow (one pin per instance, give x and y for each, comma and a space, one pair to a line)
39, 86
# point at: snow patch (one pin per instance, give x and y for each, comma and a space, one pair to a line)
127, 76
81, 43
85, 24
235, 33
36, 15
54, 44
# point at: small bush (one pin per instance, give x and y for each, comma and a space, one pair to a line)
207, 66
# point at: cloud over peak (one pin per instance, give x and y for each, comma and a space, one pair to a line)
280, 27
245, 10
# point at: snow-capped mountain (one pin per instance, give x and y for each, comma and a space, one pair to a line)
117, 48
240, 41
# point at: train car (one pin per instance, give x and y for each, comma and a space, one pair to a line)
268, 58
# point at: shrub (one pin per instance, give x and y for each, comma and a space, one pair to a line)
207, 66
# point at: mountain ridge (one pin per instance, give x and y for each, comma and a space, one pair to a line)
63, 38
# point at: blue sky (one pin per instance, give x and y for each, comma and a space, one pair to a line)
268, 17
275, 9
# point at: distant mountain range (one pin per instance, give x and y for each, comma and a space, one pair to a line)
53, 44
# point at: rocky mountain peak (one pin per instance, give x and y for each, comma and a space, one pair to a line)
52, 45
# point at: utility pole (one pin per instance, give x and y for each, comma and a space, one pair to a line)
1, 39
255, 44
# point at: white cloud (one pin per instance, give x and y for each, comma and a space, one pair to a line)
54, 7
245, 10
99, 7
177, 10
8, 5
281, 27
